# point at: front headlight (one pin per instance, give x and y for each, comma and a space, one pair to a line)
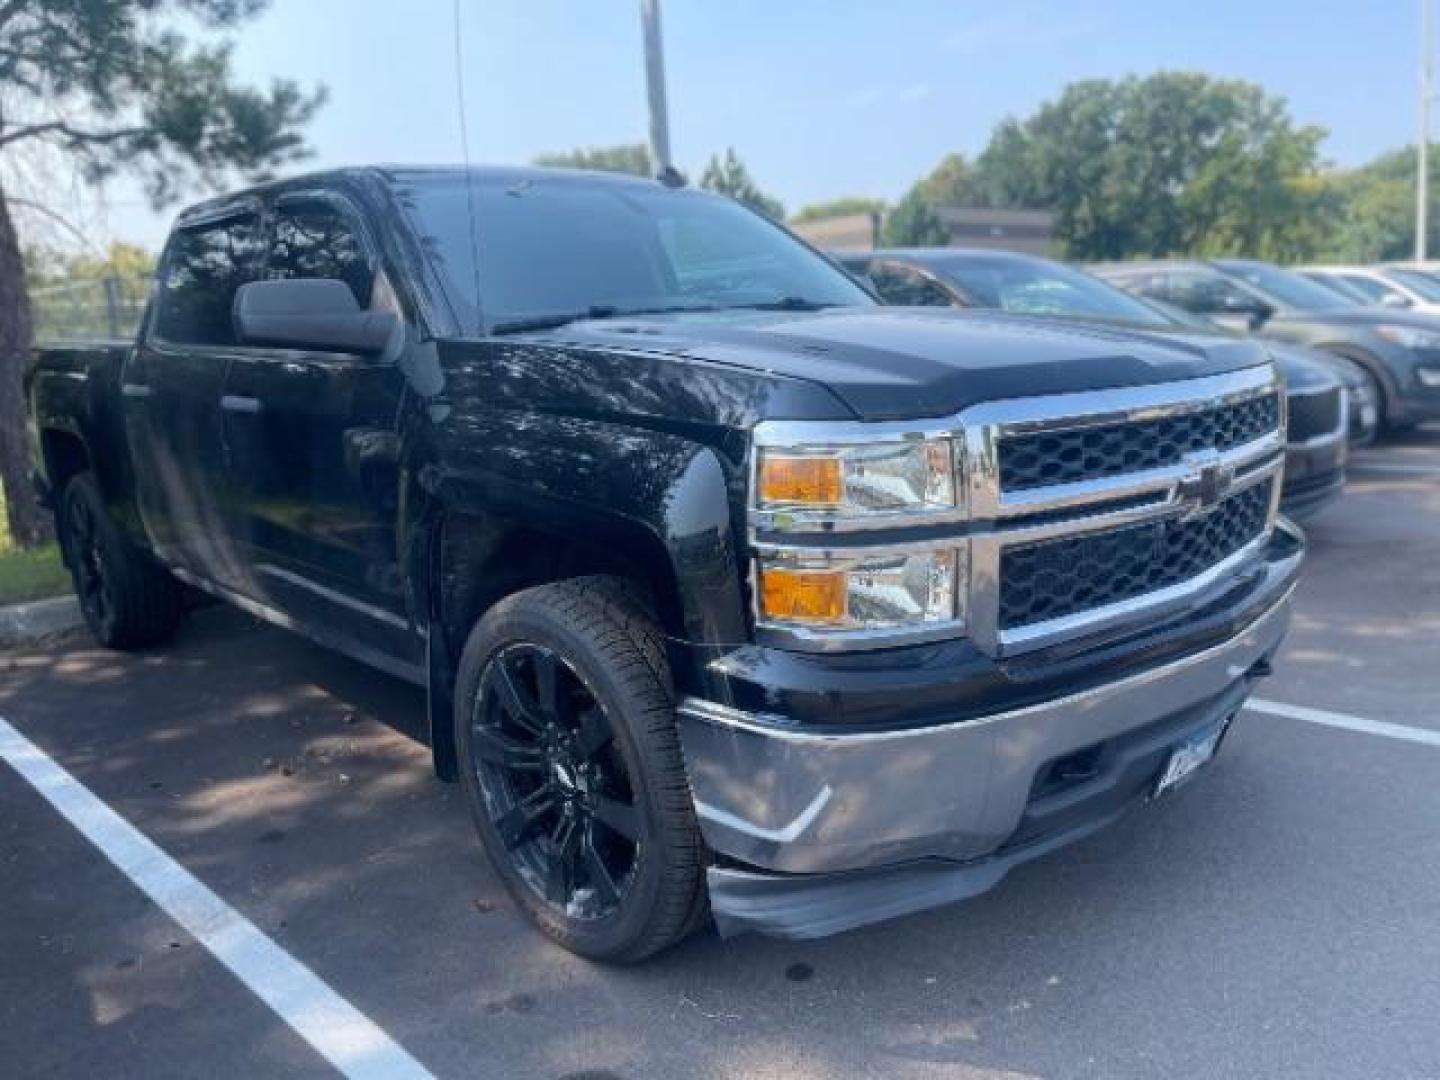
798, 482
871, 592
813, 481
1409, 336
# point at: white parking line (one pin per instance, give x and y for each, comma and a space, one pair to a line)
338, 1031
1404, 732
1395, 467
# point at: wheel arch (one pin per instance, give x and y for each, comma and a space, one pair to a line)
64, 453
673, 541
1372, 365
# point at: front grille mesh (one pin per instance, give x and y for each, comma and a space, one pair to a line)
1054, 578
1312, 415
1042, 458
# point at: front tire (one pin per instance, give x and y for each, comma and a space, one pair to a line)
128, 600
570, 761
1377, 395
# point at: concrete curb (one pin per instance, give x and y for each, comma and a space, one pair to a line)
22, 623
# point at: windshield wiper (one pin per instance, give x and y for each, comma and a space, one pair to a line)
594, 311
786, 303
553, 320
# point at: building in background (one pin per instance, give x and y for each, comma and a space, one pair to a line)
1025, 231
852, 232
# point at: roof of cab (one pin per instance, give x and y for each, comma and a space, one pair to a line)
393, 174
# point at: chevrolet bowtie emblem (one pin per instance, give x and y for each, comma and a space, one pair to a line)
1206, 482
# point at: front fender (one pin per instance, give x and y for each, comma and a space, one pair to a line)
660, 501
656, 502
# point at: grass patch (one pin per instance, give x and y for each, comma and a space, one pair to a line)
29, 575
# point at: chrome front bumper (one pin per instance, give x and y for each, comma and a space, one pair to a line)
803, 809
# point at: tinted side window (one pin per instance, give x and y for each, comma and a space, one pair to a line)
1375, 292
1204, 292
317, 240
203, 267
1142, 284
901, 285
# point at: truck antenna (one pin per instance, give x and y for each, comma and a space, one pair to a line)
465, 158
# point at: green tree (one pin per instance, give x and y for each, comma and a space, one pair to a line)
914, 223
844, 207
130, 262
950, 183
632, 158
114, 86
914, 220
1173, 162
1378, 218
88, 295
729, 176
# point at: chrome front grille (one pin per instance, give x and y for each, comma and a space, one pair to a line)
1101, 548
1039, 458
1063, 577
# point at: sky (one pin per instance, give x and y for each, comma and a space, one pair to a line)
821, 99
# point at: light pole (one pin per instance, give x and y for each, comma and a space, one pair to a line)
1422, 145
655, 87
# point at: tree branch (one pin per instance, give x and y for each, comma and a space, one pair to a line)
57, 218
75, 136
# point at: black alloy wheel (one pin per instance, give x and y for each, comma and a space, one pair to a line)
83, 540
129, 600
572, 771
556, 788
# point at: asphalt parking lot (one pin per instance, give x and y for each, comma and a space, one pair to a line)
1278, 919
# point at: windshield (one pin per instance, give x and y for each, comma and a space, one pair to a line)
1418, 282
552, 247
1285, 286
1044, 288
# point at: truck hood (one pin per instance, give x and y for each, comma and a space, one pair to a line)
890, 363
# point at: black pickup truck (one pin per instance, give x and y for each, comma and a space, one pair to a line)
734, 593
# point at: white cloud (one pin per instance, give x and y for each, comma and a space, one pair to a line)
887, 95
1019, 26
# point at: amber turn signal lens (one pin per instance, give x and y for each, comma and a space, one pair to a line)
810, 481
802, 595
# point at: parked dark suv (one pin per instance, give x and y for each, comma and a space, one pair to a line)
1398, 350
1024, 284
